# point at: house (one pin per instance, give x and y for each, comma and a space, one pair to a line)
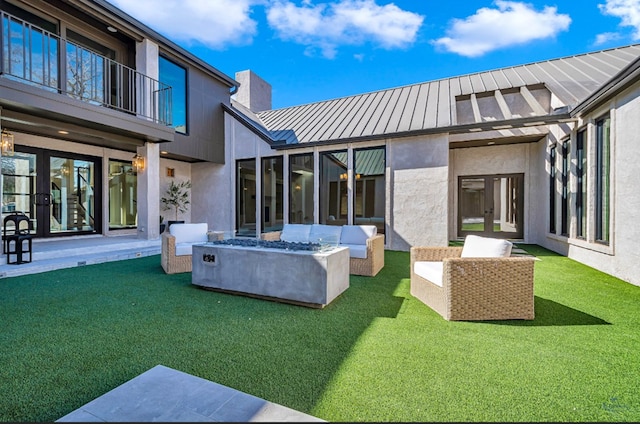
540, 153
103, 112
85, 89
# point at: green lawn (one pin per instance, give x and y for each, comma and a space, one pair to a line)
375, 354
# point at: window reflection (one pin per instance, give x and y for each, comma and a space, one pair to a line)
301, 187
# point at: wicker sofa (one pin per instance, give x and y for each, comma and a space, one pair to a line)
479, 281
177, 244
366, 246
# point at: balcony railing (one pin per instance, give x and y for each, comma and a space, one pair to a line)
35, 56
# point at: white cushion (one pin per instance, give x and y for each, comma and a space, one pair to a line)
484, 247
356, 250
325, 234
189, 233
357, 234
295, 233
431, 271
183, 249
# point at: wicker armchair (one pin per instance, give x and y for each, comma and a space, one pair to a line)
475, 289
173, 263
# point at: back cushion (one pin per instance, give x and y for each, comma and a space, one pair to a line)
295, 233
325, 234
484, 247
357, 234
189, 233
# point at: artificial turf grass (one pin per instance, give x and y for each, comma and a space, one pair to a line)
374, 354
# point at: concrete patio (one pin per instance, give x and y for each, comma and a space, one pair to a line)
69, 252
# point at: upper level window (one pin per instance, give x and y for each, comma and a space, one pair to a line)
603, 127
175, 76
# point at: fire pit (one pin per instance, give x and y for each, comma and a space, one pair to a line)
307, 274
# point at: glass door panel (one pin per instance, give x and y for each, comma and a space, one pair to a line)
72, 195
19, 185
472, 210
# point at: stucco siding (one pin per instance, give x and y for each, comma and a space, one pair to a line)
418, 192
621, 257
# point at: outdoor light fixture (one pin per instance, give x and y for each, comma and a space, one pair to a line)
6, 145
138, 163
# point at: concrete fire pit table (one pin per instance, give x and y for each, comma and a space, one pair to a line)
312, 278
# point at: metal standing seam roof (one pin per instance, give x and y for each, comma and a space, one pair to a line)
431, 105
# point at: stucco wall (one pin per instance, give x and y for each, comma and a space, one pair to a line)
214, 185
418, 192
622, 257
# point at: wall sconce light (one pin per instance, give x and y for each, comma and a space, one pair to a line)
138, 162
6, 145
343, 176
64, 169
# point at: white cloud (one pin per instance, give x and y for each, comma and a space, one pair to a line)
216, 24
606, 37
512, 23
326, 26
627, 10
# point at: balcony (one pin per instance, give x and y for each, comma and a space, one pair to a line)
36, 57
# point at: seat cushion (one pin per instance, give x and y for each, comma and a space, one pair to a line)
431, 271
295, 233
325, 234
485, 247
356, 250
189, 233
357, 234
183, 249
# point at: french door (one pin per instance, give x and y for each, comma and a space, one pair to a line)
59, 191
491, 205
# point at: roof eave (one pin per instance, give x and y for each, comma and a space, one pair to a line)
533, 121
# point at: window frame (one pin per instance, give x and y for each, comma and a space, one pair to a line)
565, 193
602, 218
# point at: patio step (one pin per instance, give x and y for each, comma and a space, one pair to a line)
49, 255
163, 394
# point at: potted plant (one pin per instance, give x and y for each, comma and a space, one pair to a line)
176, 198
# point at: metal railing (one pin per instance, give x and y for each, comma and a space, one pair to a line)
37, 57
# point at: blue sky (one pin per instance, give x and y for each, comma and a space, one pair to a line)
318, 50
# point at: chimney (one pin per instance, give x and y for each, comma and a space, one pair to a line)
254, 92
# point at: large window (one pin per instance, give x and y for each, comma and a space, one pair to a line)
301, 172
176, 76
603, 127
333, 188
272, 194
123, 187
246, 198
581, 189
369, 198
552, 189
564, 229
29, 51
